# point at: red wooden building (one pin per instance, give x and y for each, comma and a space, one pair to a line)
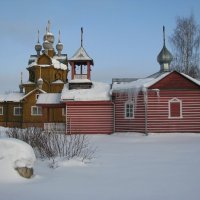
166, 101
163, 102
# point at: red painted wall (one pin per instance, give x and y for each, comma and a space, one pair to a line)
137, 124
90, 117
158, 112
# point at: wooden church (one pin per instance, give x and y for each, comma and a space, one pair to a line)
48, 71
167, 101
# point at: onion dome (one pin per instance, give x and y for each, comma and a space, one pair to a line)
40, 83
38, 46
48, 35
59, 45
21, 88
46, 44
164, 58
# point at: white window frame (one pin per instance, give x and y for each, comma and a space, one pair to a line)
125, 110
63, 111
17, 113
1, 110
37, 110
174, 100
36, 96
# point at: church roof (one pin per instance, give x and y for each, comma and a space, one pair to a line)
49, 98
13, 97
144, 83
81, 55
57, 64
98, 92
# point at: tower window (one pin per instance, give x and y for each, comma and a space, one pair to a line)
129, 110
17, 111
1, 110
175, 108
36, 110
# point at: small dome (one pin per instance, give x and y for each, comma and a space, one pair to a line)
21, 88
59, 46
38, 47
40, 82
47, 45
164, 56
49, 37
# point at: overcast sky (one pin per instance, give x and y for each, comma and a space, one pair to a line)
123, 37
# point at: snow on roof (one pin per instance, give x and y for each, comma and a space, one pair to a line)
57, 81
61, 57
98, 92
80, 81
13, 96
17, 153
81, 54
42, 91
49, 98
28, 83
192, 79
58, 65
138, 85
55, 63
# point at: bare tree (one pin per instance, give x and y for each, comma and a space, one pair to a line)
185, 42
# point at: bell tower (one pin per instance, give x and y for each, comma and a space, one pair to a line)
80, 68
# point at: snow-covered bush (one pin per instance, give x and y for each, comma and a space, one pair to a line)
51, 145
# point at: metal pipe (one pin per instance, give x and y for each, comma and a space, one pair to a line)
145, 92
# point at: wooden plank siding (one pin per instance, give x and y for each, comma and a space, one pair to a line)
136, 124
90, 117
158, 111
158, 119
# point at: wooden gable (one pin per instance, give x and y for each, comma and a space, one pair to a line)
175, 80
44, 60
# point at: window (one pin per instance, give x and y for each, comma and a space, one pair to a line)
1, 110
36, 96
17, 111
36, 110
175, 108
63, 111
129, 110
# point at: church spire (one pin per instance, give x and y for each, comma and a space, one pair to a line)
59, 46
163, 35
81, 36
49, 26
21, 83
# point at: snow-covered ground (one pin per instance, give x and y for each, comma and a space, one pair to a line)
126, 167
